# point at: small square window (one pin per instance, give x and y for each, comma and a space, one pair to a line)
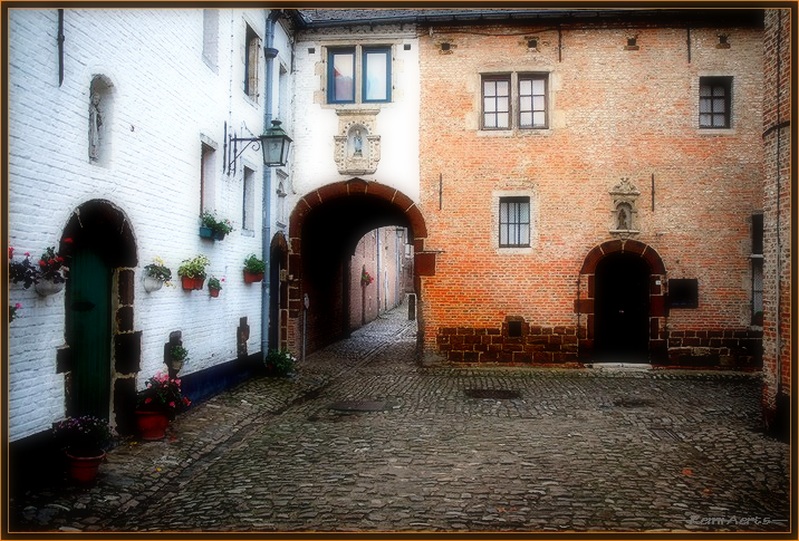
514, 222
715, 102
496, 102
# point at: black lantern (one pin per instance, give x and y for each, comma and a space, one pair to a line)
275, 145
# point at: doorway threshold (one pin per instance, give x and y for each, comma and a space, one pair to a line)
631, 367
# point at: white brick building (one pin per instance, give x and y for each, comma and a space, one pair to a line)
171, 84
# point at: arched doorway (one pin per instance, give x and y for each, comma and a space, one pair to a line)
101, 343
622, 309
621, 313
278, 291
324, 228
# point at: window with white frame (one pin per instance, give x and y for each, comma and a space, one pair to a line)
359, 74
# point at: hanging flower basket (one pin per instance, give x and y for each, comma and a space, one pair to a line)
206, 232
45, 287
152, 284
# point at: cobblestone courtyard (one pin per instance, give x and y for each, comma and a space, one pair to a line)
364, 439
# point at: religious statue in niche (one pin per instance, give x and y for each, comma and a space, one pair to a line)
95, 123
624, 213
357, 148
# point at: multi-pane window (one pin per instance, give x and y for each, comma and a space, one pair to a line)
532, 101
501, 91
715, 102
496, 102
514, 222
251, 64
371, 69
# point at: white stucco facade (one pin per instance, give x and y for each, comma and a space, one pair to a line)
172, 79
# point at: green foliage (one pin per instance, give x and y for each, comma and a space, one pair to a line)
158, 270
194, 268
217, 225
214, 283
280, 363
254, 264
83, 436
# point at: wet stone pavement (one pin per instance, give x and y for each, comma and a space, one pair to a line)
364, 439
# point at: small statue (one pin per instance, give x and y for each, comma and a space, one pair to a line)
358, 143
623, 218
95, 122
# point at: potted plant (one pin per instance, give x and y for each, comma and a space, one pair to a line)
21, 272
84, 440
213, 227
280, 363
192, 272
254, 269
214, 286
158, 404
176, 358
52, 272
156, 274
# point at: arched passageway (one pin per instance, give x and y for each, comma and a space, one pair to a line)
622, 317
325, 228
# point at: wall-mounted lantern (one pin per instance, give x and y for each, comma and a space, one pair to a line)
274, 144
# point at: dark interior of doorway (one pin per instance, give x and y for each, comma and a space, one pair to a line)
621, 324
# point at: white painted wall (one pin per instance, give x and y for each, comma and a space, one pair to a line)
166, 99
316, 122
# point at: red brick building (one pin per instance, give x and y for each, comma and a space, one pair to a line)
592, 187
777, 239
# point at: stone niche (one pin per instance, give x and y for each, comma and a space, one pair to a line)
624, 213
357, 147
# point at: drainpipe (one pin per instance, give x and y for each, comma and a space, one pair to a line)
266, 196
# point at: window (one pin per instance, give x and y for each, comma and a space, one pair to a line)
530, 95
496, 102
532, 101
211, 36
345, 65
251, 64
757, 269
248, 201
514, 222
208, 159
715, 102
376, 74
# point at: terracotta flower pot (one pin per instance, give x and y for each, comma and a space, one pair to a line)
187, 283
198, 283
214, 292
83, 469
152, 425
250, 277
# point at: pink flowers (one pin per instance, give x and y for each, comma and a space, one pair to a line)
162, 393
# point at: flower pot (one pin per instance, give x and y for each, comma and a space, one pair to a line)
219, 235
198, 283
152, 284
214, 292
187, 283
47, 287
83, 469
152, 425
206, 232
250, 277
175, 364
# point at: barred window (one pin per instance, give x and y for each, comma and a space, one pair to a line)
715, 102
514, 222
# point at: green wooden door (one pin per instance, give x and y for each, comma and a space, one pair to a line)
89, 333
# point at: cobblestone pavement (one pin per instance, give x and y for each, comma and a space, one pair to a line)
364, 439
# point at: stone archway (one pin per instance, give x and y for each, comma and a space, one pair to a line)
101, 245
625, 251
324, 228
278, 291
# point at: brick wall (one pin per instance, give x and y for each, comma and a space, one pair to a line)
614, 113
164, 100
777, 219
